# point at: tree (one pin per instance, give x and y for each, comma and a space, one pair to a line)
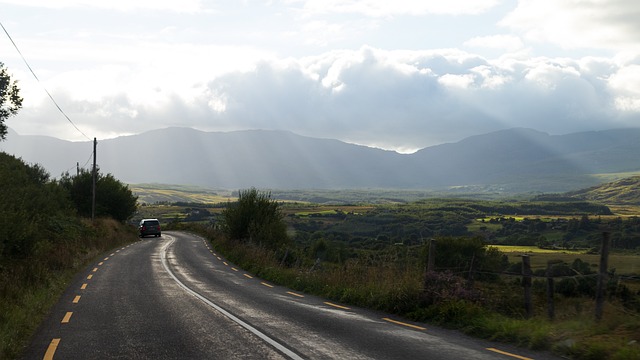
10, 100
30, 207
113, 198
257, 218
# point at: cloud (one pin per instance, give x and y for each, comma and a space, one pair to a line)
571, 24
401, 100
382, 8
183, 6
505, 42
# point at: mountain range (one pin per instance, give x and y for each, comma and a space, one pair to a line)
510, 161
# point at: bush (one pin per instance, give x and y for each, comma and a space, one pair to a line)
256, 218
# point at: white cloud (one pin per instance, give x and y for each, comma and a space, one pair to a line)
571, 24
625, 83
391, 99
182, 6
506, 42
382, 8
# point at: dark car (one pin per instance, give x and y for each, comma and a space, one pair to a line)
149, 227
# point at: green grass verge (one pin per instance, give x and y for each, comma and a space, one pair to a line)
30, 287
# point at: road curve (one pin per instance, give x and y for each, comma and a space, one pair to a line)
175, 298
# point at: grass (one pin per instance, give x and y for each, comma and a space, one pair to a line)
154, 193
30, 287
622, 263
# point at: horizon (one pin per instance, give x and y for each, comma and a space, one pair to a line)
397, 77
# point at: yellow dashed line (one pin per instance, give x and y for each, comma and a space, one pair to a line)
267, 285
94, 269
89, 277
100, 263
249, 276
224, 262
219, 258
234, 269
112, 254
107, 258
404, 324
76, 299
67, 317
51, 350
84, 286
509, 354
338, 306
294, 294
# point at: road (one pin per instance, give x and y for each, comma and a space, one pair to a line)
175, 298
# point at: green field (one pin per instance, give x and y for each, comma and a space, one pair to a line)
157, 193
623, 264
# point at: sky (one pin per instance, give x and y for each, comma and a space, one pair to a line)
399, 75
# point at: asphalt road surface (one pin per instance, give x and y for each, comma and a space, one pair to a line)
175, 298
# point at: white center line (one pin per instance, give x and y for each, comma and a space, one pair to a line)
237, 320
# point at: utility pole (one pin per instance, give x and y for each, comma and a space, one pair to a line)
93, 199
77, 169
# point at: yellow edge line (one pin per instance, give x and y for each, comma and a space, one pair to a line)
509, 354
338, 306
51, 350
294, 294
67, 317
267, 285
404, 324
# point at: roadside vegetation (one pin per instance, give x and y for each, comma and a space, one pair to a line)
45, 239
45, 236
375, 256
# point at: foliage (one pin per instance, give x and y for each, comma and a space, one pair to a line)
31, 206
29, 287
10, 100
441, 287
257, 218
113, 198
457, 254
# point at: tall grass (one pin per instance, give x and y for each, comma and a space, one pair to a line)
30, 287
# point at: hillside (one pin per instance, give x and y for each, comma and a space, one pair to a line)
621, 192
502, 162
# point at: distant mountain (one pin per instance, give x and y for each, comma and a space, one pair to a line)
515, 160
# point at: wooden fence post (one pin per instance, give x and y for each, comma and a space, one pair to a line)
431, 260
526, 283
602, 275
551, 306
472, 272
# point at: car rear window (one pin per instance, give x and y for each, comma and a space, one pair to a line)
153, 223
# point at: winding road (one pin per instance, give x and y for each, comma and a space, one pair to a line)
175, 298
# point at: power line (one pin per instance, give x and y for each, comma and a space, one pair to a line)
39, 82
